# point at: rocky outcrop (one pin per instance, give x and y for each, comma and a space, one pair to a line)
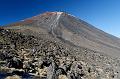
46, 59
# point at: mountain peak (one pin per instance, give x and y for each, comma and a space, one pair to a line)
56, 12
49, 13
41, 17
45, 15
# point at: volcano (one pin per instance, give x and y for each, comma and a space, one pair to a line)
73, 30
58, 45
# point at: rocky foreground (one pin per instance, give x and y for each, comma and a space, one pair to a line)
24, 56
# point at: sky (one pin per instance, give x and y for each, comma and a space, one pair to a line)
103, 14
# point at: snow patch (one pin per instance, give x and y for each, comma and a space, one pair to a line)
58, 15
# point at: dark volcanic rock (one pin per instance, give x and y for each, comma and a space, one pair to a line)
15, 63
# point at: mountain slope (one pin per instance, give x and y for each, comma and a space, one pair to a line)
69, 28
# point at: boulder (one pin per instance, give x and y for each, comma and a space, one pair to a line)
15, 63
13, 77
62, 77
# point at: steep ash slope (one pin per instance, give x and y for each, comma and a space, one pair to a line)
69, 28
